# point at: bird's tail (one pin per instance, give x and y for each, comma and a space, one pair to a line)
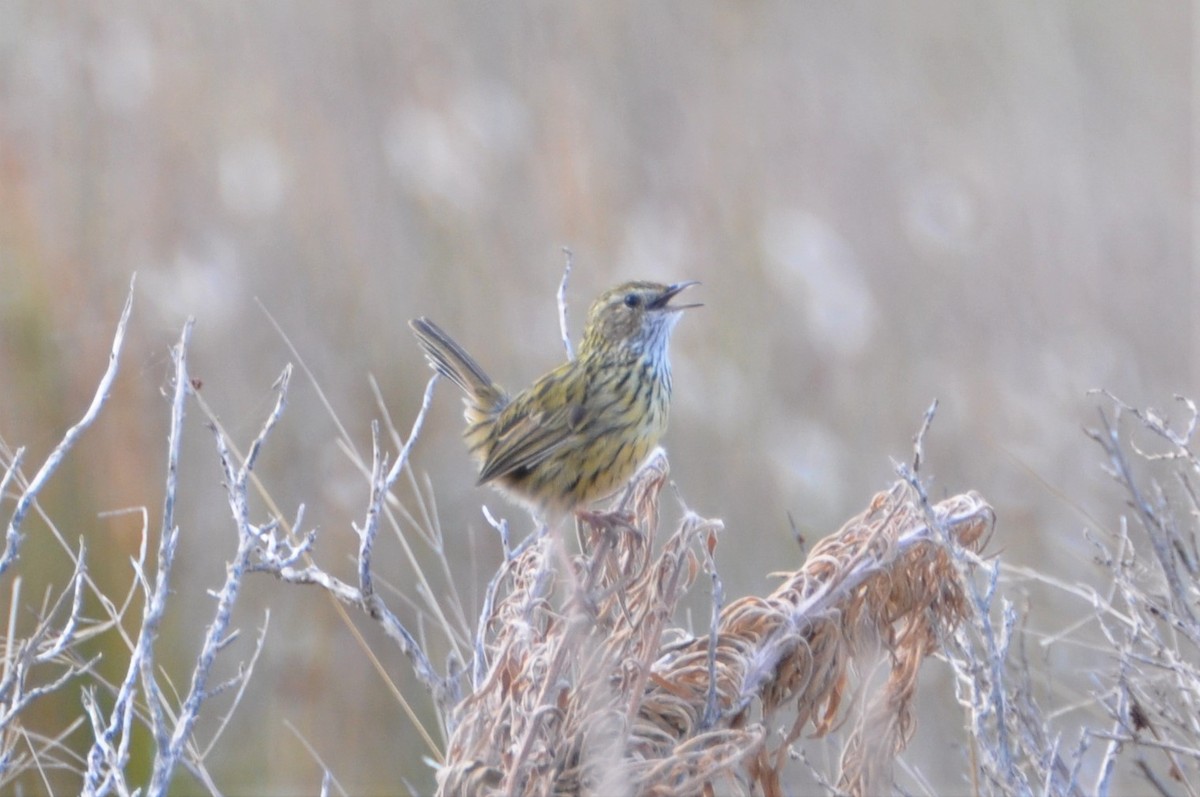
449, 360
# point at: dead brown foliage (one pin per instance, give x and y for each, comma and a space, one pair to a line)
591, 689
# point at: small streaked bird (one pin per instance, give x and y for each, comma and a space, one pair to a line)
580, 432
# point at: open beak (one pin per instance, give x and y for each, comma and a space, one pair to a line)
660, 302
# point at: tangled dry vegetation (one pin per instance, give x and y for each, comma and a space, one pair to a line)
581, 675
598, 692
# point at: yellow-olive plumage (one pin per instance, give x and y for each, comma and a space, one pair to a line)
579, 432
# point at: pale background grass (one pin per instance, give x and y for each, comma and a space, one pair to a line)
885, 202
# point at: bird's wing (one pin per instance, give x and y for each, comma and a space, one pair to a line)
528, 441
535, 424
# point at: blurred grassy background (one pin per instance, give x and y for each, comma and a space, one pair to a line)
886, 203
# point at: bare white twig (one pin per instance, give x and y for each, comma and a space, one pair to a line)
22, 656
241, 681
216, 636
109, 753
369, 599
1156, 524
11, 470
279, 557
456, 635
562, 303
712, 709
919, 438
12, 538
418, 422
66, 637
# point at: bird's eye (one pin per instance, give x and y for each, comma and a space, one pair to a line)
632, 300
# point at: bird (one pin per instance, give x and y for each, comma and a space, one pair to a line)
580, 431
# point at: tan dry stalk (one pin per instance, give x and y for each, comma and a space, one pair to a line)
591, 689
